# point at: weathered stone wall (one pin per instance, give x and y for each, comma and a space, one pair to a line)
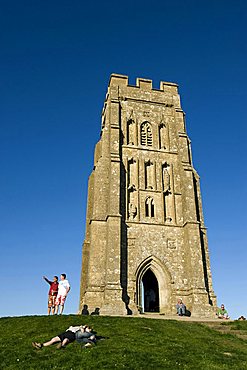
144, 206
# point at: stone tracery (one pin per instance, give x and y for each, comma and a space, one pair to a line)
146, 134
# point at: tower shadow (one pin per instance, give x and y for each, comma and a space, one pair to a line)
124, 243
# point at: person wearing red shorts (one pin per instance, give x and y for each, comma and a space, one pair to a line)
52, 295
63, 290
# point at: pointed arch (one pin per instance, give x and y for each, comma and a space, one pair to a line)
164, 279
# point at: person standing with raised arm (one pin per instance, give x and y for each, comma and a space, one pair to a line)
52, 295
63, 290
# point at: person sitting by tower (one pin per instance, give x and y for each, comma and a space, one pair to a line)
181, 308
85, 310
222, 313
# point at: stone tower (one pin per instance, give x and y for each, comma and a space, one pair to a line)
145, 242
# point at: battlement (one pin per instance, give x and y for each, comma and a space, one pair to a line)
142, 83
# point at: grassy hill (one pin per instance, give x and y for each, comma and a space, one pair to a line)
133, 343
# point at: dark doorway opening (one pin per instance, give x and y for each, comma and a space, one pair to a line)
150, 292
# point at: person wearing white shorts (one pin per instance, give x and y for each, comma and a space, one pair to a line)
63, 290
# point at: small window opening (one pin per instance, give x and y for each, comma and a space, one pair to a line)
149, 208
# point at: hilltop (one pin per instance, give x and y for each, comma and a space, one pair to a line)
133, 343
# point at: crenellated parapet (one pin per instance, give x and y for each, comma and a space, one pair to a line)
142, 83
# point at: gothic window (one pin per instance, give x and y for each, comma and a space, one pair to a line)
146, 209
146, 134
149, 207
152, 208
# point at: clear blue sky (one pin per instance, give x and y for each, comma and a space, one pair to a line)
55, 61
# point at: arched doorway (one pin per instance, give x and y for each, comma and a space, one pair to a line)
153, 274
150, 292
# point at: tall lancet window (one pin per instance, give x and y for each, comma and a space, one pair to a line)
146, 134
149, 207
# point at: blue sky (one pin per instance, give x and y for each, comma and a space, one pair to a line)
55, 61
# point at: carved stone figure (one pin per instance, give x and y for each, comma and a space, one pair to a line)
132, 211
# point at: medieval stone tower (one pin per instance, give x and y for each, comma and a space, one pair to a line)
145, 244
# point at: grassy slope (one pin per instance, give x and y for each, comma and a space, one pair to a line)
134, 343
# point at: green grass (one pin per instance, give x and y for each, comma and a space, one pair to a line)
134, 343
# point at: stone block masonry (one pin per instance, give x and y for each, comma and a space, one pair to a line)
145, 243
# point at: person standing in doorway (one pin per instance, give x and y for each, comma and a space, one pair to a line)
63, 290
52, 295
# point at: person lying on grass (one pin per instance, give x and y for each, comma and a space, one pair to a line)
83, 334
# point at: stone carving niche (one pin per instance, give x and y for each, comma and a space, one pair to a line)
131, 132
167, 194
149, 175
163, 136
132, 184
